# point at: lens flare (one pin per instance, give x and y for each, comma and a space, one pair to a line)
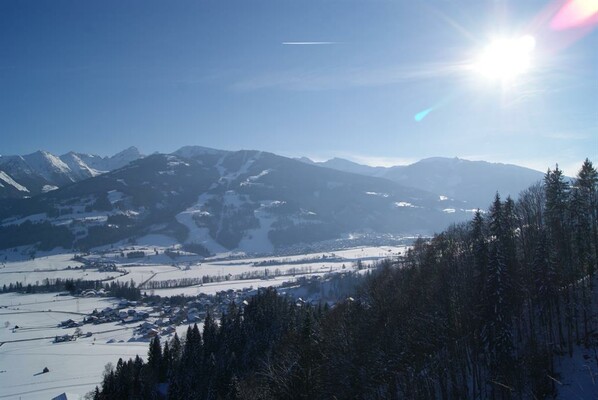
422, 114
576, 13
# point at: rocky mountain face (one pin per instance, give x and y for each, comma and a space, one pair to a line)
41, 172
217, 201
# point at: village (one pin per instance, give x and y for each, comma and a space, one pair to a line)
156, 316
94, 321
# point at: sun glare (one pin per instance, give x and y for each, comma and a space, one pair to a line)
505, 59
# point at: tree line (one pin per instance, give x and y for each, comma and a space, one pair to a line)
125, 290
480, 311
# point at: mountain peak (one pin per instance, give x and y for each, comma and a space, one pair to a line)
128, 152
196, 151
305, 160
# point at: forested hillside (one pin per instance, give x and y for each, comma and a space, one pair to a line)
481, 311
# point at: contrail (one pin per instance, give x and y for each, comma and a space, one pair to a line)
307, 43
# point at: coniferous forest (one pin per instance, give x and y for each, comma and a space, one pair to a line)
480, 311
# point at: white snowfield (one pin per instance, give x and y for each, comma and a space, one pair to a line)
76, 367
4, 177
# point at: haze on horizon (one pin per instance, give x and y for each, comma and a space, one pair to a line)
377, 82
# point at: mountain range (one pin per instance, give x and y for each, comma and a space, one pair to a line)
40, 172
475, 182
214, 201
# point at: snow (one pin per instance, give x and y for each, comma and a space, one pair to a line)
49, 267
443, 198
580, 375
51, 262
114, 196
404, 204
140, 274
175, 162
156, 240
8, 180
257, 240
161, 268
78, 166
251, 180
449, 210
38, 277
75, 367
377, 194
213, 288
198, 234
229, 176
48, 188
47, 164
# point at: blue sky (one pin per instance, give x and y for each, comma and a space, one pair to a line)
100, 76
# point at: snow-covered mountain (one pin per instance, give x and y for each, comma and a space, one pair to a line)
474, 182
40, 172
245, 200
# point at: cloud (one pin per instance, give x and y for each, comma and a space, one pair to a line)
306, 43
327, 79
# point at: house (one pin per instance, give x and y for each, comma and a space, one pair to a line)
151, 333
146, 327
64, 338
168, 330
193, 315
107, 311
130, 319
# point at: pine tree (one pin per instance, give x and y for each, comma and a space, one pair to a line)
497, 331
480, 250
154, 355
175, 349
234, 390
557, 196
210, 332
166, 363
586, 189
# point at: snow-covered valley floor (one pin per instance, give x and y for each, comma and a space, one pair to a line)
29, 322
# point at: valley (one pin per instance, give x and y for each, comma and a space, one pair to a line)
104, 328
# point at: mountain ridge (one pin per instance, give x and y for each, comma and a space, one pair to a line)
472, 181
251, 201
41, 171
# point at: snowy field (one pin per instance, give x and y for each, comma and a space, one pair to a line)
158, 267
75, 367
213, 288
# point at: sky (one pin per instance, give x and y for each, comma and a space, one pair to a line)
377, 82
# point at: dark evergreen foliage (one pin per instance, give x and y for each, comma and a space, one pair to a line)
478, 312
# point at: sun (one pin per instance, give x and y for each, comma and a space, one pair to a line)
506, 59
